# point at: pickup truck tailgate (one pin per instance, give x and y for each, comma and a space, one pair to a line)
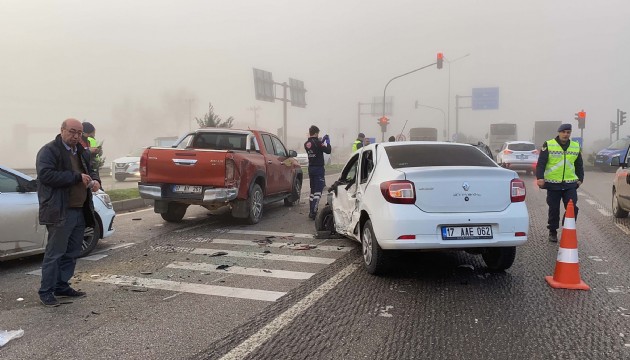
198, 167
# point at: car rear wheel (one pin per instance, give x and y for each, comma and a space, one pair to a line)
617, 211
325, 221
255, 205
499, 258
90, 238
374, 257
120, 177
294, 198
175, 212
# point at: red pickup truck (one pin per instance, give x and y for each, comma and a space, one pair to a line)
217, 167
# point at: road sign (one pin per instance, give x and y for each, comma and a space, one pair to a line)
263, 85
298, 93
485, 98
577, 139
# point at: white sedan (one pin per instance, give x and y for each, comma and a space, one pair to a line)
427, 195
22, 235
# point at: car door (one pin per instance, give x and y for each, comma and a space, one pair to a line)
345, 201
19, 213
623, 184
286, 170
274, 166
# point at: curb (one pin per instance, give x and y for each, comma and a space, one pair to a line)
131, 204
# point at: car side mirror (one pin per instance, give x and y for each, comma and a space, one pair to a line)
616, 163
292, 153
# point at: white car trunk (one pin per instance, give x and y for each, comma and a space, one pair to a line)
461, 189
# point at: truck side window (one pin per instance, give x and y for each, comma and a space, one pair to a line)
268, 144
280, 150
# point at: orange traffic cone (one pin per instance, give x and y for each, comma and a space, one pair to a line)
567, 273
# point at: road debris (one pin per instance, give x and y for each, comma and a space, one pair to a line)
139, 289
20, 299
218, 253
263, 242
8, 335
304, 247
223, 267
267, 271
146, 272
136, 219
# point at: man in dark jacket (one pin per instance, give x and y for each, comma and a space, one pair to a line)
66, 181
560, 170
315, 149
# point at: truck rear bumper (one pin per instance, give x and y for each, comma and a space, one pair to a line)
154, 192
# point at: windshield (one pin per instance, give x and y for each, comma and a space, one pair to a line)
522, 147
420, 155
621, 144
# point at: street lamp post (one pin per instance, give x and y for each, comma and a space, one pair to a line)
449, 89
443, 117
392, 79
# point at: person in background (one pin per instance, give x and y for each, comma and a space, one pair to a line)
315, 149
358, 143
560, 170
89, 140
66, 182
391, 139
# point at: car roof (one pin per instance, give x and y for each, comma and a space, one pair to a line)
519, 142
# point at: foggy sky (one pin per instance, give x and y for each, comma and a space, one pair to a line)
141, 69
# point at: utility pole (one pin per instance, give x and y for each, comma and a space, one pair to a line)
254, 109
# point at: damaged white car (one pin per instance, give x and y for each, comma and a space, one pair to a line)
425, 196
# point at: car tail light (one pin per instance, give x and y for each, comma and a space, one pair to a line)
517, 190
535, 152
507, 152
407, 237
520, 233
399, 192
229, 171
144, 159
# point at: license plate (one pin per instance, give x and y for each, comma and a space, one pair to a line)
187, 189
522, 157
466, 232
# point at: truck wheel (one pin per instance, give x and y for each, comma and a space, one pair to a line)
90, 238
120, 177
324, 221
294, 198
255, 205
499, 258
175, 212
374, 257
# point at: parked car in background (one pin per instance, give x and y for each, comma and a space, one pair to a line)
302, 159
427, 196
22, 235
621, 186
127, 166
484, 149
518, 155
604, 156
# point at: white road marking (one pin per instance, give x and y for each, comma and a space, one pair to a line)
604, 212
94, 257
114, 247
591, 201
278, 245
281, 274
253, 342
194, 227
271, 233
623, 228
266, 256
37, 272
134, 212
203, 289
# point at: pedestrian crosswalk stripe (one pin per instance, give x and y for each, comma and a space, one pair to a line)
281, 274
289, 245
265, 256
271, 233
202, 289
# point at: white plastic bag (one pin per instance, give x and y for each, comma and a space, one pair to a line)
8, 335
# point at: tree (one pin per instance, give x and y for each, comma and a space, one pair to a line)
210, 119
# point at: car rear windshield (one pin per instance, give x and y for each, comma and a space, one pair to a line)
219, 141
522, 147
419, 155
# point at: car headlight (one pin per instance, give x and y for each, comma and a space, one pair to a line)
105, 199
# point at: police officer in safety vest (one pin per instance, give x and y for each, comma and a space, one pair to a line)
358, 143
560, 170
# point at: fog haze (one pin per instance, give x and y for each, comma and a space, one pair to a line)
142, 69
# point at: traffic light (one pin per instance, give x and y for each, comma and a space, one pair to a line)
613, 127
622, 117
440, 60
383, 121
581, 119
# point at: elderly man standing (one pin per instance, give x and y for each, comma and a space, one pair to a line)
560, 170
66, 180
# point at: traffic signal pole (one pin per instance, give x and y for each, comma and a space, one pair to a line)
383, 129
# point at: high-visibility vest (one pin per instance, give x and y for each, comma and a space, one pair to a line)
561, 164
355, 145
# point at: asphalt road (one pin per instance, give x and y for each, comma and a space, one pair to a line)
154, 292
